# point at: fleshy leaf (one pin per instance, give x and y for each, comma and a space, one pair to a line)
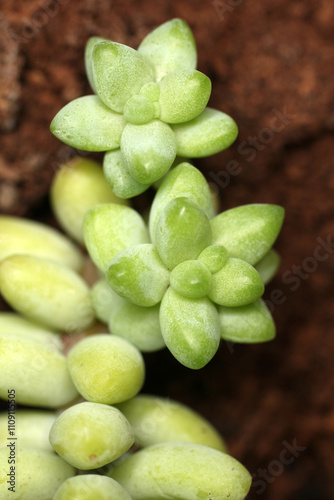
170, 47
182, 233
191, 279
248, 231
190, 328
183, 95
92, 41
169, 421
79, 185
148, 150
87, 124
267, 267
214, 257
236, 284
211, 132
139, 325
109, 229
119, 72
119, 178
139, 275
183, 181
252, 323
139, 110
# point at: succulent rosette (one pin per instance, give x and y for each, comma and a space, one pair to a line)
191, 279
150, 106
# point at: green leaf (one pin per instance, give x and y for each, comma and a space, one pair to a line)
119, 178
139, 275
148, 150
87, 124
139, 325
214, 257
119, 72
190, 328
92, 41
191, 279
211, 132
183, 181
248, 231
236, 284
183, 95
170, 47
182, 233
109, 229
251, 324
267, 267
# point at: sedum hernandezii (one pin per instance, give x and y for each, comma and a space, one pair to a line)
184, 278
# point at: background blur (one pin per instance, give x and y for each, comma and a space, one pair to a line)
271, 64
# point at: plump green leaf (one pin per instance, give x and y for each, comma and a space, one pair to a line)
42, 379
148, 150
119, 72
248, 231
138, 110
139, 325
190, 328
99, 380
91, 486
248, 324
46, 292
236, 284
33, 238
170, 47
183, 95
121, 182
87, 124
92, 41
191, 279
90, 435
267, 267
109, 229
78, 186
41, 474
158, 420
214, 257
139, 275
184, 180
182, 232
182, 470
211, 132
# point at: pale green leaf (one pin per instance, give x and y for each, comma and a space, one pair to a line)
183, 181
211, 132
236, 284
119, 178
92, 41
248, 324
119, 72
182, 232
148, 150
170, 47
139, 275
87, 124
183, 95
248, 231
109, 229
190, 328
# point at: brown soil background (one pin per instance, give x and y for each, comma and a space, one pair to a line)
263, 58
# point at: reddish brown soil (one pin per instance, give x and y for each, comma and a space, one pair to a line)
266, 59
